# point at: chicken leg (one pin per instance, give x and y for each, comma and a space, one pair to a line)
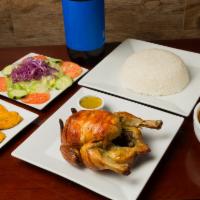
130, 120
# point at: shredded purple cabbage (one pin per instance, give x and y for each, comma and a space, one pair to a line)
31, 69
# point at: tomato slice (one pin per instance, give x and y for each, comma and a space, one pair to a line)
40, 57
3, 84
36, 98
71, 69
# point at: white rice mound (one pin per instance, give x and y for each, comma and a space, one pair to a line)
154, 72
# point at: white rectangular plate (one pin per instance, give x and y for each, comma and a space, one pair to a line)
54, 93
42, 149
106, 77
28, 117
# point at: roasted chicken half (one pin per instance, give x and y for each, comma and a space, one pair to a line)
102, 140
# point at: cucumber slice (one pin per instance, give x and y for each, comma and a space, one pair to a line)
25, 85
52, 83
63, 83
17, 94
55, 63
16, 86
55, 60
39, 87
7, 70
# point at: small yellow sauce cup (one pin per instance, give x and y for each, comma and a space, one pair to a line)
91, 102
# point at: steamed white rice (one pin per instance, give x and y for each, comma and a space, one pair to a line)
154, 72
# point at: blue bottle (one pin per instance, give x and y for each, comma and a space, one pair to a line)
84, 23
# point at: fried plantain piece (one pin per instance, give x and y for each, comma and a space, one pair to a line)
2, 136
9, 119
2, 109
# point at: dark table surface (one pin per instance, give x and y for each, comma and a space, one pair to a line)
177, 176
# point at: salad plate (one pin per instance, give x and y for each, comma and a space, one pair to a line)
35, 80
111, 185
27, 118
181, 103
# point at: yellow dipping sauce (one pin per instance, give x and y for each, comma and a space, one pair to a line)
91, 102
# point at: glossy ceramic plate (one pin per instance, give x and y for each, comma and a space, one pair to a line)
46, 140
28, 117
53, 93
181, 103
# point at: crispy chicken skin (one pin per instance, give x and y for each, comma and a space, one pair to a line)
101, 140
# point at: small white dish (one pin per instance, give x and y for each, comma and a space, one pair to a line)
46, 141
53, 93
181, 103
28, 117
89, 98
196, 122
